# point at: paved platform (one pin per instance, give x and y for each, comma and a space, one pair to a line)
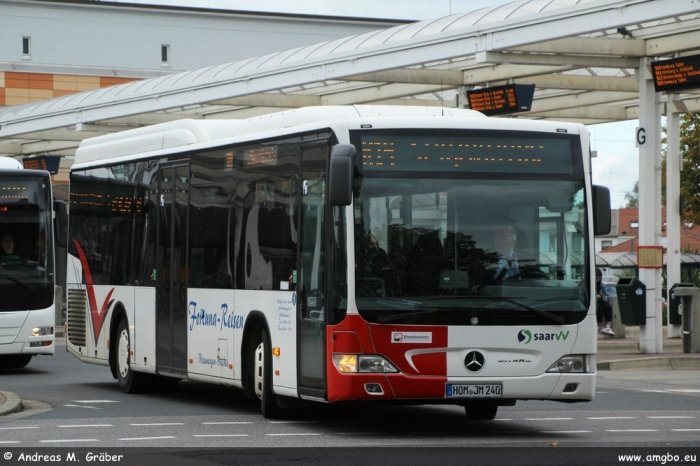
613, 354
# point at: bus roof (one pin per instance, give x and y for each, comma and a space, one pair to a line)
185, 132
9, 162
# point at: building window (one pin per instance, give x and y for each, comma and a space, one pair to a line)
165, 54
605, 244
26, 46
634, 224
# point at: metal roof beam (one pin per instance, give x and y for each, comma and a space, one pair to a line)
146, 119
585, 83
495, 73
381, 92
673, 43
587, 113
412, 76
557, 60
580, 100
271, 100
588, 46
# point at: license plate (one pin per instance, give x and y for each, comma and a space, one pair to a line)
474, 390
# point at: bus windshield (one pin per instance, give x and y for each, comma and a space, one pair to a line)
498, 241
26, 257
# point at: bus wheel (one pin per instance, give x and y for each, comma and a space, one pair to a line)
129, 381
481, 413
263, 378
17, 361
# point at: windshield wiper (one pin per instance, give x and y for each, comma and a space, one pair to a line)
558, 319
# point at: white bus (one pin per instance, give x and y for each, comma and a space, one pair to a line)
339, 254
27, 263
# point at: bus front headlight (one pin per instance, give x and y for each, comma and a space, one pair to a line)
574, 363
365, 363
42, 331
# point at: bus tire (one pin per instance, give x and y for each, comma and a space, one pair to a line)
129, 381
16, 361
263, 378
481, 413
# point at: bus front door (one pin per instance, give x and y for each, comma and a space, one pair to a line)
311, 302
171, 288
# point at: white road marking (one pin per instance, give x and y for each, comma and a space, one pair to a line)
223, 435
160, 424
671, 417
225, 423
70, 440
88, 425
631, 430
147, 438
549, 419
686, 430
95, 401
684, 390
84, 407
610, 417
9, 441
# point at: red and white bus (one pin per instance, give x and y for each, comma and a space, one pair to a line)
339, 254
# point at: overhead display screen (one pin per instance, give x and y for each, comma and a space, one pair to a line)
500, 100
50, 163
502, 152
677, 74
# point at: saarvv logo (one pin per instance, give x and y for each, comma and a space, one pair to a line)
98, 316
524, 335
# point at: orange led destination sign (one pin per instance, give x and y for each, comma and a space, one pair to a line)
677, 74
499, 100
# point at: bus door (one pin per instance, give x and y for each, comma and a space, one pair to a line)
310, 302
171, 288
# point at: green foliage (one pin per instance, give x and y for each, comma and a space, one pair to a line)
632, 198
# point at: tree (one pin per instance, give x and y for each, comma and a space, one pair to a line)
632, 198
690, 175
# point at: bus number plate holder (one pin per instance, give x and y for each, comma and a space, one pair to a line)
473, 390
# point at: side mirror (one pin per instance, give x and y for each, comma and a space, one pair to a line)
342, 167
601, 210
61, 224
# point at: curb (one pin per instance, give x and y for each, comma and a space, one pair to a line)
659, 363
11, 405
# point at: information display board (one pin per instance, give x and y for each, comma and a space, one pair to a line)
500, 100
677, 74
50, 163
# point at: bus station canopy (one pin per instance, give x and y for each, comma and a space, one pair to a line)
583, 56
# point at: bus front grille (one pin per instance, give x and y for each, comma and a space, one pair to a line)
76, 317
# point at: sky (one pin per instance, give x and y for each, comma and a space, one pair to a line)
617, 163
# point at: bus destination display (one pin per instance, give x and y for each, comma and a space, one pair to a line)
677, 74
500, 100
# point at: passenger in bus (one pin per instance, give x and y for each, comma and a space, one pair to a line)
9, 256
603, 308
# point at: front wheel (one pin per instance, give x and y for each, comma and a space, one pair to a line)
481, 413
263, 378
129, 381
17, 361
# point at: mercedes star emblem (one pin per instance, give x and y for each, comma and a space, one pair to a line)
474, 361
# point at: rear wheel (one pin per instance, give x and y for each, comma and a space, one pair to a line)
263, 377
16, 361
481, 413
129, 381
